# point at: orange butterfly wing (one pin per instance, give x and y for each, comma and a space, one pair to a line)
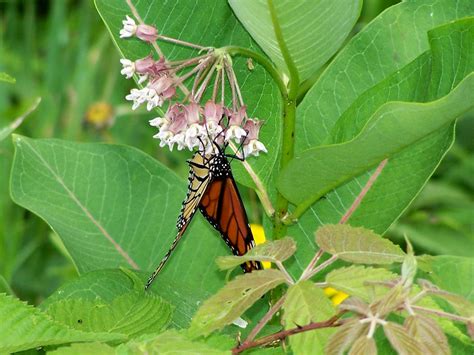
222, 206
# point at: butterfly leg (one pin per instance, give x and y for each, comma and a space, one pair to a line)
163, 261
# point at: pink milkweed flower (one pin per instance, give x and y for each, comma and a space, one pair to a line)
252, 146
159, 90
147, 33
172, 127
138, 96
195, 130
128, 68
129, 27
235, 130
212, 117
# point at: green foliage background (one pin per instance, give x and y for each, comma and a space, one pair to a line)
61, 51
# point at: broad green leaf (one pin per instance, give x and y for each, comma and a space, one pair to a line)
401, 341
5, 287
7, 78
344, 336
6, 131
357, 245
24, 327
115, 206
428, 333
364, 346
131, 314
307, 303
312, 30
393, 42
208, 23
234, 299
442, 269
169, 342
462, 305
448, 326
278, 250
84, 348
354, 280
393, 127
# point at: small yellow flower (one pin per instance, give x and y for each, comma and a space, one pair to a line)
100, 115
259, 237
336, 296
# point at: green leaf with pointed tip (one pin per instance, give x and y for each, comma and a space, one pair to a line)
105, 286
345, 336
278, 250
401, 341
7, 78
428, 333
357, 245
392, 128
307, 303
354, 280
132, 314
364, 346
208, 23
234, 299
84, 348
24, 327
169, 342
6, 131
383, 63
116, 206
442, 269
312, 30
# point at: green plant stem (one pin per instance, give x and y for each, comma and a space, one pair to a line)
261, 59
289, 119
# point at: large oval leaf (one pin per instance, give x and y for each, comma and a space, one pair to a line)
115, 206
406, 173
312, 29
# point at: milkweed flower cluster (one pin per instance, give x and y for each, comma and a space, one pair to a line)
196, 116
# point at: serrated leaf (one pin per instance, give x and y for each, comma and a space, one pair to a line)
354, 304
233, 299
353, 279
390, 301
272, 251
169, 342
312, 30
307, 303
401, 341
447, 325
345, 335
357, 245
25, 327
428, 333
7, 78
84, 348
364, 346
131, 314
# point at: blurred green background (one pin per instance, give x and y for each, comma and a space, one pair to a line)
60, 51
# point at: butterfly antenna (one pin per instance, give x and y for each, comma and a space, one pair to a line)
164, 260
235, 156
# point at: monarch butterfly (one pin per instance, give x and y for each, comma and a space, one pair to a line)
213, 190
